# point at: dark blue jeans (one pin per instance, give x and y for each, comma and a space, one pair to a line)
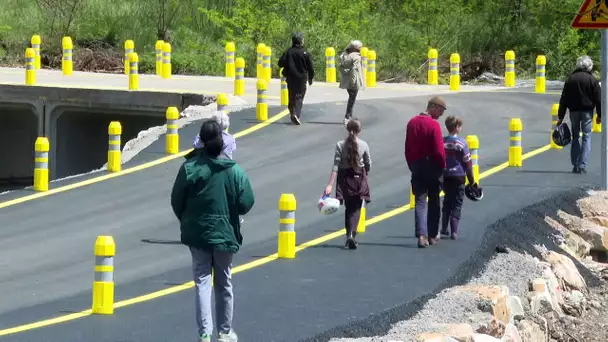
426, 181
581, 121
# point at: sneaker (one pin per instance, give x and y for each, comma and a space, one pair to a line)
433, 241
292, 118
423, 242
575, 169
345, 121
351, 243
229, 337
241, 220
454, 237
445, 234
582, 170
205, 338
296, 120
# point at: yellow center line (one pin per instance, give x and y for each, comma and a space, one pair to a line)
249, 265
141, 167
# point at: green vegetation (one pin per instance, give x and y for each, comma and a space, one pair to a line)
401, 32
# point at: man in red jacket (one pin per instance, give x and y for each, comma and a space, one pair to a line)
425, 157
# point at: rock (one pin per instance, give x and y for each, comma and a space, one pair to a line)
575, 244
511, 334
493, 299
594, 205
565, 271
444, 332
540, 303
574, 303
495, 328
484, 338
594, 234
595, 304
531, 331
516, 308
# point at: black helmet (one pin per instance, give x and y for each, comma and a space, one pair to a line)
561, 135
473, 192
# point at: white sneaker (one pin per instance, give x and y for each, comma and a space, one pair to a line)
241, 220
229, 337
345, 121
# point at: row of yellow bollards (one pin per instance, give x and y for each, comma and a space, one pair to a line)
433, 73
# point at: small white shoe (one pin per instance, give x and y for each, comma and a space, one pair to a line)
229, 337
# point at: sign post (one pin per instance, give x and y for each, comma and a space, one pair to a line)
593, 14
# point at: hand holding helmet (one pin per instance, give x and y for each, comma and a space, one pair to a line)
473, 192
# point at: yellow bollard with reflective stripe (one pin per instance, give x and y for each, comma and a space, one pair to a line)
36, 42
266, 65
596, 128
287, 222
541, 80
133, 71
371, 68
510, 68
330, 65
166, 73
433, 74
114, 154
260, 60
515, 145
230, 50
412, 198
222, 102
30, 66
67, 63
159, 56
41, 164
473, 143
129, 49
172, 137
455, 72
554, 118
239, 77
284, 90
362, 218
261, 107
103, 284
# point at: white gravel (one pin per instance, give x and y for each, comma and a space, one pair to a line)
450, 307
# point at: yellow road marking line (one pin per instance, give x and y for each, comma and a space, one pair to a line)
249, 265
144, 166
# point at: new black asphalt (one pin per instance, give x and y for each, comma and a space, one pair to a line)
283, 300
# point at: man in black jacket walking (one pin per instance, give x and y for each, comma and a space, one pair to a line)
581, 94
297, 69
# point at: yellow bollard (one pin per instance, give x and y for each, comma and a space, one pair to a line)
222, 102
266, 65
596, 128
412, 198
261, 107
371, 69
259, 66
455, 72
159, 57
133, 71
230, 67
515, 147
114, 154
36, 42
129, 49
284, 90
433, 74
30, 66
473, 143
67, 63
510, 68
287, 222
103, 284
541, 62
239, 78
172, 138
330, 65
166, 73
554, 111
362, 218
41, 164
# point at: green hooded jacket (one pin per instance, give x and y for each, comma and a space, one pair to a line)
207, 198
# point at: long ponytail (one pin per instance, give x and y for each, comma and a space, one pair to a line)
350, 144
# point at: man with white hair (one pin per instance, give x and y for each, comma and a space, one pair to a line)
229, 142
580, 95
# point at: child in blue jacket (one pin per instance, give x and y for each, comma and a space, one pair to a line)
458, 168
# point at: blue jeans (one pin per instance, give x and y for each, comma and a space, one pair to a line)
581, 121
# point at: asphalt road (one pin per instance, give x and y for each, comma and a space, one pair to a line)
56, 242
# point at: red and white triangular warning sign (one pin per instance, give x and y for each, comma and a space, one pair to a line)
593, 14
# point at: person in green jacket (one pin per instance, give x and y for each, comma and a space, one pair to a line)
209, 193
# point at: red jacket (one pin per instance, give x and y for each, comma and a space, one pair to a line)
423, 138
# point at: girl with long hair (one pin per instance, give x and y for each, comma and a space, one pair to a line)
352, 163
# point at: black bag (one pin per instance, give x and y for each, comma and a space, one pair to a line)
561, 135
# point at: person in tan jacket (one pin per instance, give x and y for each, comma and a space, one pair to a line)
351, 74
